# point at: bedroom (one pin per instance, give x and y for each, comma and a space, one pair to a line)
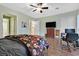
23, 23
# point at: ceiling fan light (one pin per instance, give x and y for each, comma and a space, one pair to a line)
38, 9
41, 11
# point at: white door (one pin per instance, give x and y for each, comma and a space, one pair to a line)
5, 26
34, 27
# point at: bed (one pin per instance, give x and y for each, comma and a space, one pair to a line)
23, 45
13, 47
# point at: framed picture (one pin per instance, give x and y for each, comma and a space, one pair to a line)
24, 24
57, 32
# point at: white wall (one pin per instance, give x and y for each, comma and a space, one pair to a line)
68, 21
63, 21
78, 23
20, 17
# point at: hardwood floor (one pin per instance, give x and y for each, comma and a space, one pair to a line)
55, 49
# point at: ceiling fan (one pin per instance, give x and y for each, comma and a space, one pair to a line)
39, 6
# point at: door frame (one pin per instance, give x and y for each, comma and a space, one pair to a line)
15, 22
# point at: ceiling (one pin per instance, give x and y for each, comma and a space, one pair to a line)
54, 8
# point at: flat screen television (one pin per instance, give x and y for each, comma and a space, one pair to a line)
69, 30
51, 24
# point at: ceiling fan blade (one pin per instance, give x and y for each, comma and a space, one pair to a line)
34, 10
44, 8
41, 11
33, 6
39, 4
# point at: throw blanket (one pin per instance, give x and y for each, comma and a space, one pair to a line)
7, 51
12, 48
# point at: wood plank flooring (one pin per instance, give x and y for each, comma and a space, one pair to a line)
55, 49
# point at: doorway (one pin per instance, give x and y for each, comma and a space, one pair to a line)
34, 27
8, 25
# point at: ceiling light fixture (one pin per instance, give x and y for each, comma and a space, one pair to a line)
39, 7
56, 8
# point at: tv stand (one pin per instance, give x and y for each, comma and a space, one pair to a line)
51, 32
